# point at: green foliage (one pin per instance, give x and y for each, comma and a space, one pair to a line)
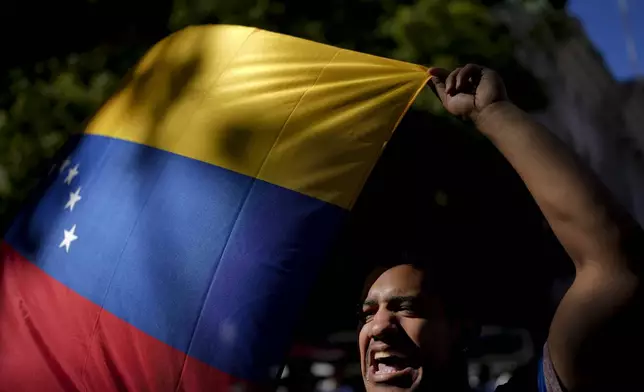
45, 101
443, 34
446, 34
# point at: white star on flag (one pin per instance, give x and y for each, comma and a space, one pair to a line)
73, 172
69, 237
74, 197
64, 165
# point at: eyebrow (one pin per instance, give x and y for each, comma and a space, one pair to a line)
394, 298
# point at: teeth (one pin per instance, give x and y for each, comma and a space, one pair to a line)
382, 354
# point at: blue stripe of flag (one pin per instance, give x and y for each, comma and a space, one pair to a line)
211, 262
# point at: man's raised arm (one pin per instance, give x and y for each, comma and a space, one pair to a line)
596, 333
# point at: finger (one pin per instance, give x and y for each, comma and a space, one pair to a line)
450, 83
469, 72
438, 76
440, 73
438, 88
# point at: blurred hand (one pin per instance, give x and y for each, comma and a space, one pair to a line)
468, 91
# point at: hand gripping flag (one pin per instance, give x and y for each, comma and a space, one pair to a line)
173, 247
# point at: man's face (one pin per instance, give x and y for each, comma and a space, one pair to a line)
405, 339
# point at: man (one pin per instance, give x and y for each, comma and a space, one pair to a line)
412, 337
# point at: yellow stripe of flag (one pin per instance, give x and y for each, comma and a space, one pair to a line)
299, 114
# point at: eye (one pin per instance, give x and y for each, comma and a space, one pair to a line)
407, 308
365, 315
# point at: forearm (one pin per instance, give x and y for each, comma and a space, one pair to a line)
591, 227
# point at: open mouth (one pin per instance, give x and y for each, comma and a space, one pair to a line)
389, 366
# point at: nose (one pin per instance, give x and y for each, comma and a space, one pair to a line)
384, 322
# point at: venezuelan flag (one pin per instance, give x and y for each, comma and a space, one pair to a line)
174, 245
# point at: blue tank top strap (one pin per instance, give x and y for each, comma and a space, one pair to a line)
541, 378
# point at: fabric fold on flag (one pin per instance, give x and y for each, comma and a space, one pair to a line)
174, 246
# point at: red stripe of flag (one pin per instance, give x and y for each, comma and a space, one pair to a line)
52, 339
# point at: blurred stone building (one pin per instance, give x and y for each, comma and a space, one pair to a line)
601, 118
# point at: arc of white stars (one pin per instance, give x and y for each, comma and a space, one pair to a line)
74, 197
64, 165
69, 237
73, 172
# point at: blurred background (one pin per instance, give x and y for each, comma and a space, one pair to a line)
439, 189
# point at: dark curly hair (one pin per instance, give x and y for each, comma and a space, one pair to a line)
443, 277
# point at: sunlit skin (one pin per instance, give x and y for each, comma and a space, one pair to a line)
399, 319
